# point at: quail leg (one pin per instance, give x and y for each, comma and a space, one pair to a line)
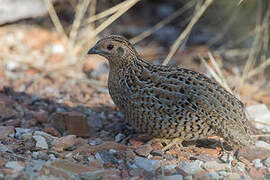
169, 142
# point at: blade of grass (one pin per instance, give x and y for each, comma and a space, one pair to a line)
215, 75
219, 73
106, 23
109, 11
187, 30
55, 19
80, 12
162, 23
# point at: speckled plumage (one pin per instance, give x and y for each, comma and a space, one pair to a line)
170, 102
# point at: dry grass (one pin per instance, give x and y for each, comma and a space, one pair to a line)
162, 23
216, 72
187, 30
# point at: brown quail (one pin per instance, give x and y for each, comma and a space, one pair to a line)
169, 102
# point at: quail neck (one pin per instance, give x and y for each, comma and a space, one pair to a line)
170, 102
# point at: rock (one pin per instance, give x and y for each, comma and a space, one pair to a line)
261, 115
3, 148
173, 177
15, 165
266, 162
41, 116
6, 109
94, 142
257, 163
109, 174
222, 174
69, 170
267, 176
52, 131
146, 164
227, 158
253, 152
52, 157
40, 155
119, 137
232, 176
213, 176
241, 166
20, 10
214, 166
76, 123
262, 144
49, 138
169, 169
192, 167
105, 156
33, 168
255, 174
40, 142
64, 143
23, 134
143, 150
6, 131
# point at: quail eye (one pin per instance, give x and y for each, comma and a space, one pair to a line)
110, 47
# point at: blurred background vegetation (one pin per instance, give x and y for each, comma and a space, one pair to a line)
227, 39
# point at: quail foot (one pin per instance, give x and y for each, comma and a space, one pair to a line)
170, 103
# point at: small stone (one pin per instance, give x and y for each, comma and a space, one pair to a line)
255, 174
143, 150
49, 138
112, 151
94, 142
146, 164
104, 174
232, 176
222, 174
261, 115
64, 143
105, 156
266, 162
52, 157
6, 131
192, 167
170, 169
267, 176
262, 144
213, 175
241, 166
41, 142
76, 123
214, 166
67, 170
252, 152
257, 163
3, 148
173, 177
91, 159
52, 131
40, 155
227, 158
15, 165
41, 116
23, 134
119, 137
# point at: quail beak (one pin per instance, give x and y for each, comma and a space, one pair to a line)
94, 50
